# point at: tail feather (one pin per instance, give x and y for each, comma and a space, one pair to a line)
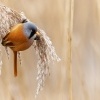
15, 63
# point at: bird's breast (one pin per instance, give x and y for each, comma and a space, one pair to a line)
22, 46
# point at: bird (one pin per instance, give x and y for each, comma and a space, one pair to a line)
20, 38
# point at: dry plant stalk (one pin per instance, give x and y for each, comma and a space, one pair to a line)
43, 47
69, 45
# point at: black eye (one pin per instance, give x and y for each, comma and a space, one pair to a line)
32, 33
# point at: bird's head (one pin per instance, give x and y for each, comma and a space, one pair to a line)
30, 31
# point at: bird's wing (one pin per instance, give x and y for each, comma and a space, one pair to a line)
6, 42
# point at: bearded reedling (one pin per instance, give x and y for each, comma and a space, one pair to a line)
20, 38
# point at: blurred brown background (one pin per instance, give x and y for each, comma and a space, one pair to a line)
53, 16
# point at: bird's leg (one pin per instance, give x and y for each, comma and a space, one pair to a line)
15, 63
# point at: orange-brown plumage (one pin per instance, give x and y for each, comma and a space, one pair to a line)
16, 34
20, 38
16, 40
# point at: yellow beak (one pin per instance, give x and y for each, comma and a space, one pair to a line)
37, 36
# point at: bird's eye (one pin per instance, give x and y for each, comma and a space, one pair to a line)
32, 33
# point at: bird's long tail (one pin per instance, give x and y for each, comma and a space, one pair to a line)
15, 63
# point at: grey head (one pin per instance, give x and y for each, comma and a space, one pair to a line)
30, 30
